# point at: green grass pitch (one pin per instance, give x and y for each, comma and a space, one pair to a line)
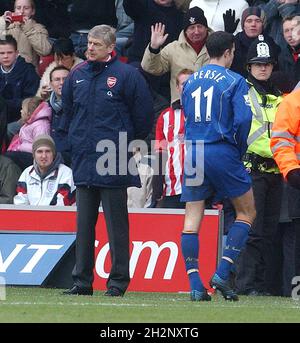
44, 305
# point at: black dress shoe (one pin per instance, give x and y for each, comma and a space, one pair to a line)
114, 292
76, 290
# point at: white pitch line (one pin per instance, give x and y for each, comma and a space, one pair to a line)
200, 305
74, 304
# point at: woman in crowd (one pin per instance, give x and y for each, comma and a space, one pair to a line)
32, 38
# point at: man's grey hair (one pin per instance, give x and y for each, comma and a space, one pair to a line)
105, 33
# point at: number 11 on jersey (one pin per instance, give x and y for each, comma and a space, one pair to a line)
197, 96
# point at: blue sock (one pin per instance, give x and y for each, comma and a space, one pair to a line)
236, 239
190, 251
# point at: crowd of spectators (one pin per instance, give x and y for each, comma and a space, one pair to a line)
41, 41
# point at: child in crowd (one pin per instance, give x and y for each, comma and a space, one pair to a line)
36, 117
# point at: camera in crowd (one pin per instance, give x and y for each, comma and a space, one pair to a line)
17, 18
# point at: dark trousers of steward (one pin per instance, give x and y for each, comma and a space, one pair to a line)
255, 267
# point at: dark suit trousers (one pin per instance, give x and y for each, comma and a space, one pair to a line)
114, 203
256, 267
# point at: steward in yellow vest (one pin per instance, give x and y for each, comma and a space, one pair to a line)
264, 107
256, 270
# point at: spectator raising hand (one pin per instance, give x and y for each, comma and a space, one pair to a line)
188, 51
230, 24
158, 36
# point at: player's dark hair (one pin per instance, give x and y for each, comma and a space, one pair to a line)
218, 42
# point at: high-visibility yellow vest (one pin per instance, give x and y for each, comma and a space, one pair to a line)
262, 122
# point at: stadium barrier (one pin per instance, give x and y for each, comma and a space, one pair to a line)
37, 247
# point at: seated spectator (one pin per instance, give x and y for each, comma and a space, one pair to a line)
18, 79
48, 181
54, 15
289, 58
189, 51
9, 175
253, 23
32, 37
86, 14
215, 10
36, 117
64, 55
57, 79
169, 148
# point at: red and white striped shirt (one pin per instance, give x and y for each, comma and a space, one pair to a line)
170, 138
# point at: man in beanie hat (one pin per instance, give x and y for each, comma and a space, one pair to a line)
256, 12
43, 140
253, 23
218, 12
194, 16
48, 181
188, 52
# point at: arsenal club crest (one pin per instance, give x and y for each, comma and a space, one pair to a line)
111, 81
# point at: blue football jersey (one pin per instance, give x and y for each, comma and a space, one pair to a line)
216, 106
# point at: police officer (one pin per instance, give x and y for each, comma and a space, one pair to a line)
255, 272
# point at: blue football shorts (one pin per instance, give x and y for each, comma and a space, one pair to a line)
220, 174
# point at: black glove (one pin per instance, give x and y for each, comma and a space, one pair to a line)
293, 178
230, 24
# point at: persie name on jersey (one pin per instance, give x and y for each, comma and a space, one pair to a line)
209, 74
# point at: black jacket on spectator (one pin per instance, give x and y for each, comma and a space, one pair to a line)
20, 83
242, 43
146, 13
287, 65
85, 14
3, 122
53, 14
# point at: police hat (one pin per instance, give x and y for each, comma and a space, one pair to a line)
260, 52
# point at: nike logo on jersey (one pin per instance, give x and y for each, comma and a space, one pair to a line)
79, 81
